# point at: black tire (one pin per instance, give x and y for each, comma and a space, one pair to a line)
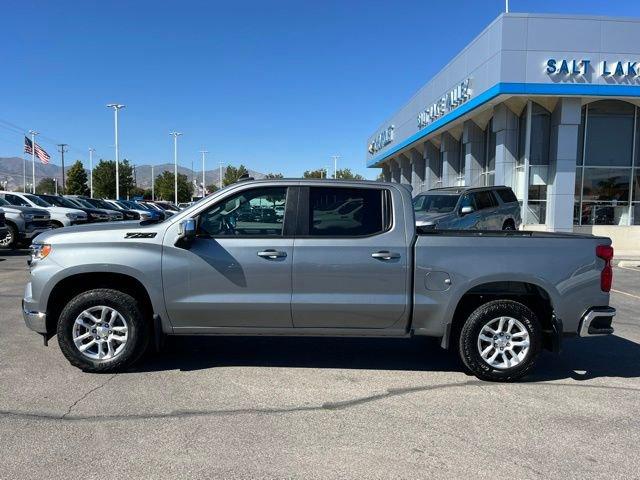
56, 224
469, 343
139, 330
11, 238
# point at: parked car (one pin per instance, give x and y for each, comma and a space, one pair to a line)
4, 230
60, 216
184, 205
114, 215
23, 223
152, 206
464, 208
93, 214
129, 213
144, 212
201, 273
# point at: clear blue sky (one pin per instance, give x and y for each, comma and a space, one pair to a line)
277, 85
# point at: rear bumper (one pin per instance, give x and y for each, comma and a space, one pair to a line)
597, 321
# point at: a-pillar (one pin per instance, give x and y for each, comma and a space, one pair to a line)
417, 171
473, 142
405, 169
563, 148
450, 157
432, 165
505, 126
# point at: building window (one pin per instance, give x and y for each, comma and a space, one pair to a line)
489, 165
538, 164
605, 193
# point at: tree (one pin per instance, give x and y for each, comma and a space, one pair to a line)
164, 184
347, 174
137, 192
77, 180
322, 173
273, 175
212, 188
104, 179
233, 174
46, 186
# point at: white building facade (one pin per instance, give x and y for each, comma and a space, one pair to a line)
546, 104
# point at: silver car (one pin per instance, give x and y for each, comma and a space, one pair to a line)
468, 208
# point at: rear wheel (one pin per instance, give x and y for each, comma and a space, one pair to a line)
102, 330
500, 341
11, 238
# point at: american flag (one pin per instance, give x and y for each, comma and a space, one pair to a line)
40, 152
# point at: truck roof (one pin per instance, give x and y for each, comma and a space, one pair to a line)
459, 190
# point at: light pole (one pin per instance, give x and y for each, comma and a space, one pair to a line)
153, 185
335, 166
175, 136
220, 179
116, 107
91, 150
203, 152
33, 159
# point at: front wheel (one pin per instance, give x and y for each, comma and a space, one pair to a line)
11, 238
102, 330
500, 341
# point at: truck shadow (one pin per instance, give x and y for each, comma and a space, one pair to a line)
581, 359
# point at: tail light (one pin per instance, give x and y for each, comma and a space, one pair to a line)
605, 252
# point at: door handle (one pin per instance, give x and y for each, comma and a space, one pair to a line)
272, 254
385, 255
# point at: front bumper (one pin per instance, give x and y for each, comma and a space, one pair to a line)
31, 232
33, 317
36, 321
597, 321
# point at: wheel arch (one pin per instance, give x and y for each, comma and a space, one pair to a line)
530, 294
72, 285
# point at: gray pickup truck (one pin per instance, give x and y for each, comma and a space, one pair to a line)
345, 260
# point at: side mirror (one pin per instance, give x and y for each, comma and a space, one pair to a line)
187, 230
466, 210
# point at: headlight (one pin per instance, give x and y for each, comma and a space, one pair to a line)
72, 216
28, 217
39, 251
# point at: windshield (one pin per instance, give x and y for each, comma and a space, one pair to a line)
100, 204
63, 202
37, 200
81, 202
435, 203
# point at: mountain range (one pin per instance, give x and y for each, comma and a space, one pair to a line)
11, 172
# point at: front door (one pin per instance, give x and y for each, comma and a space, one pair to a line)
237, 271
351, 260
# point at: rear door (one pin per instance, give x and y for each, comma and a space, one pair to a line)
351, 259
488, 210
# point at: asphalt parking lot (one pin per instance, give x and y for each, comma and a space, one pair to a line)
317, 408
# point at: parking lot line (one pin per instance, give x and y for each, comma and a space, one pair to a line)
625, 293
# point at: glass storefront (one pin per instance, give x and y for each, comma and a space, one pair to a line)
605, 173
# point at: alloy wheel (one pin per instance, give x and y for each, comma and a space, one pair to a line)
503, 342
100, 333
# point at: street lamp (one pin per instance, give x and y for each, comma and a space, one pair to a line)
175, 136
116, 107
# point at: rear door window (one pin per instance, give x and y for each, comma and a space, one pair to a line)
347, 212
507, 195
484, 200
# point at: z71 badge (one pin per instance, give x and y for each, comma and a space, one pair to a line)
140, 235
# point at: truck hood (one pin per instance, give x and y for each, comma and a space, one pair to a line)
100, 233
432, 217
26, 210
65, 210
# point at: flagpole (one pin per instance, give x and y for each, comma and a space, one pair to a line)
33, 159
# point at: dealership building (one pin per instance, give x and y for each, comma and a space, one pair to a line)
546, 104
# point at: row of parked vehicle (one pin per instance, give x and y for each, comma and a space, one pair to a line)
24, 215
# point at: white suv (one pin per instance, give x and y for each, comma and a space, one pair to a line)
60, 216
